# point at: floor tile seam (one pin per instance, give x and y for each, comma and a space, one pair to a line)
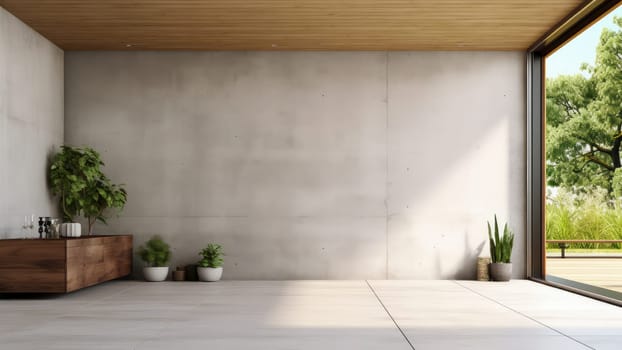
390, 316
140, 343
124, 289
524, 315
57, 316
82, 306
156, 335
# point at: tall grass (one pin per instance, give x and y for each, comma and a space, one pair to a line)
588, 216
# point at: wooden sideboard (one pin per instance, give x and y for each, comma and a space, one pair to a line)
62, 265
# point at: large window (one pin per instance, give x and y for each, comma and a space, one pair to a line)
575, 173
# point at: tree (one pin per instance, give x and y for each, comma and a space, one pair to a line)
83, 189
584, 120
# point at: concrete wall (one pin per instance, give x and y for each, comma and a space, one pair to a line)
310, 165
456, 155
31, 121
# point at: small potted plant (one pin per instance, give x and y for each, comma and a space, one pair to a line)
500, 252
156, 254
210, 266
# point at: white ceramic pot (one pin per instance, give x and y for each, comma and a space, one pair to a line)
71, 229
155, 274
209, 274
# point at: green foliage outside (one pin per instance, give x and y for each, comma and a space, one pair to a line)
586, 216
583, 144
155, 253
83, 189
212, 256
584, 120
500, 246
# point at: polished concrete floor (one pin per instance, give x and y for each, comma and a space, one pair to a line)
322, 315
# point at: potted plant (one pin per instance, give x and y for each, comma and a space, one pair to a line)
76, 176
500, 252
156, 254
210, 266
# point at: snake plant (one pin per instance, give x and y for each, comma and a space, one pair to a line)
500, 246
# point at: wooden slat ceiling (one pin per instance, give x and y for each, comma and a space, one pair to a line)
292, 24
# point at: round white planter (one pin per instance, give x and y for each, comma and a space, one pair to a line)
155, 274
209, 274
71, 229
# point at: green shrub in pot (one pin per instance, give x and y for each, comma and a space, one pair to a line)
210, 266
156, 254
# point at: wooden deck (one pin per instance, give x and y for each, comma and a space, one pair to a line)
597, 271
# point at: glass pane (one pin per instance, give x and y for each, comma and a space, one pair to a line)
583, 159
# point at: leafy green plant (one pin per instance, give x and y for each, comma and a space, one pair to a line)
155, 253
589, 215
212, 256
500, 246
83, 189
583, 138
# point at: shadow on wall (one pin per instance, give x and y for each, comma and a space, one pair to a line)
456, 157
463, 268
443, 224
469, 256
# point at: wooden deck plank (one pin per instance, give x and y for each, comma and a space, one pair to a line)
600, 272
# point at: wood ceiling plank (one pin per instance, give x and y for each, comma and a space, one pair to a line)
290, 24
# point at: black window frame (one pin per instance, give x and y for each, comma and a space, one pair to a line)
571, 26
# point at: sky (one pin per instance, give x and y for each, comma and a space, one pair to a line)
568, 59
